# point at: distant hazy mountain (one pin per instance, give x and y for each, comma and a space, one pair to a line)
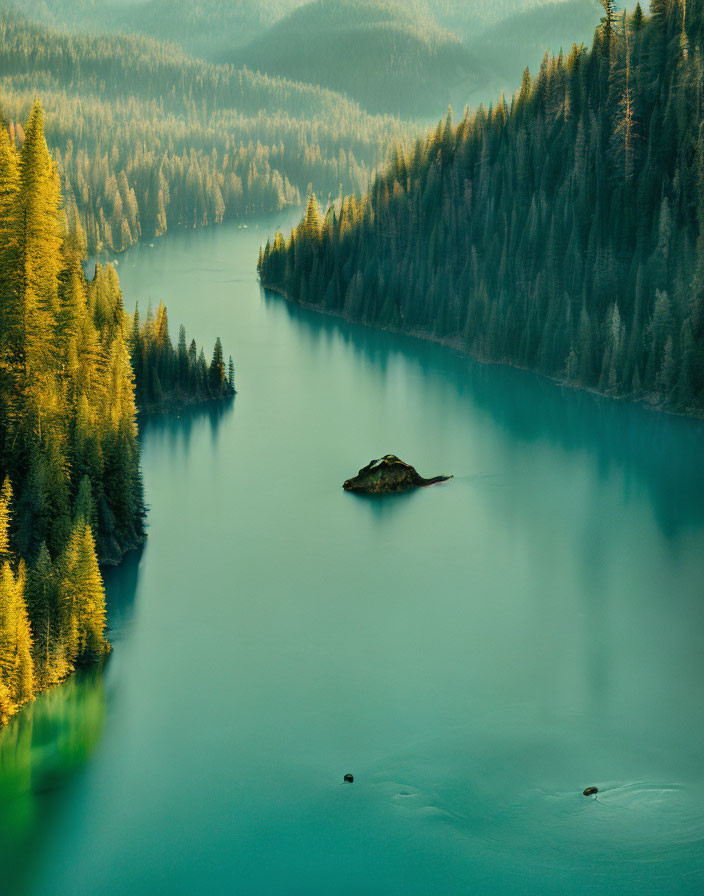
208, 28
213, 29
388, 56
468, 17
509, 46
149, 139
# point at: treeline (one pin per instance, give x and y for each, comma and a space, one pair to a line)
168, 377
71, 490
68, 434
148, 139
563, 233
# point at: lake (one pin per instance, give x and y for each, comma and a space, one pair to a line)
475, 653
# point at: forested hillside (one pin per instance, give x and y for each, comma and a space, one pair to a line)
563, 232
356, 46
150, 140
211, 29
207, 29
71, 490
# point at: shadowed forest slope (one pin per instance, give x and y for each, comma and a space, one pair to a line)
563, 232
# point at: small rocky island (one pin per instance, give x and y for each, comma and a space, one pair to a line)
386, 475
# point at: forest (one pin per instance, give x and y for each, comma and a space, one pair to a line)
352, 47
208, 26
168, 377
71, 494
428, 53
211, 29
148, 140
208, 29
561, 232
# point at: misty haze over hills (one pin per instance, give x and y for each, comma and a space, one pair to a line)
406, 44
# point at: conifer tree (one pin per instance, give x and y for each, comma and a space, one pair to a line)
92, 596
42, 610
5, 520
81, 599
10, 311
16, 667
7, 707
23, 639
216, 372
39, 252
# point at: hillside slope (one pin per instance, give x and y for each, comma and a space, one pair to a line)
382, 53
564, 234
469, 18
207, 29
149, 139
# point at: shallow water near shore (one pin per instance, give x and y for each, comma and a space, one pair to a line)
475, 653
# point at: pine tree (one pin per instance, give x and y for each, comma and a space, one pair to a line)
40, 257
92, 609
313, 220
23, 639
84, 510
216, 373
182, 354
81, 599
7, 707
10, 311
16, 668
42, 610
5, 520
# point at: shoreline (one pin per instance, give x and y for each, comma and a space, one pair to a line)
54, 684
172, 404
457, 346
112, 562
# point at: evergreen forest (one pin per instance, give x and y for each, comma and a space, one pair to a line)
211, 29
71, 495
208, 29
148, 140
562, 231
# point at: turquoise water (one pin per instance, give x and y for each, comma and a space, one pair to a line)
474, 653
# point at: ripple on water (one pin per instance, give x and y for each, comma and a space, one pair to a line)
666, 816
642, 822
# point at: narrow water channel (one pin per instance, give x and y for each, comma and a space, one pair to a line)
474, 653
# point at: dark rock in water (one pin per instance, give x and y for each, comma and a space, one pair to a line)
590, 791
349, 779
388, 474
